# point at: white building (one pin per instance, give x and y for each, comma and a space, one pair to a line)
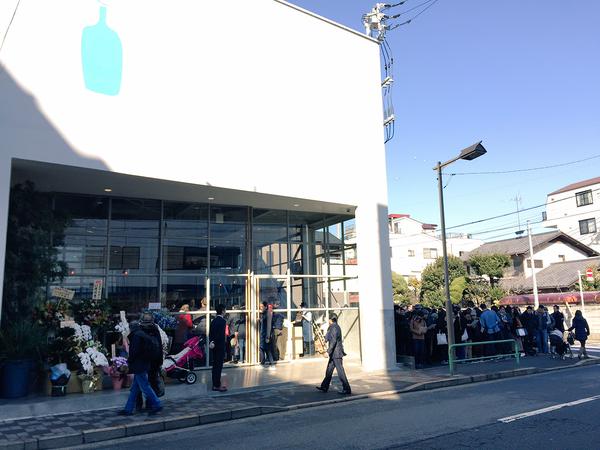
414, 245
574, 210
184, 143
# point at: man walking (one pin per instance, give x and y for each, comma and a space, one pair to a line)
335, 349
217, 345
144, 351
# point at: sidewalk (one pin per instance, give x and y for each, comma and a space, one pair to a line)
247, 399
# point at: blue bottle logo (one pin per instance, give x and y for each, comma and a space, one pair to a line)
101, 57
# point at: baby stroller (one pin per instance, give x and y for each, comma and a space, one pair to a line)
177, 366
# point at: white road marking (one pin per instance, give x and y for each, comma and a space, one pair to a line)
548, 409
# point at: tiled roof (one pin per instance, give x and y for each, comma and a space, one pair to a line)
578, 185
520, 245
558, 275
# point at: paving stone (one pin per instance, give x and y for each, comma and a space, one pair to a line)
215, 417
60, 441
12, 445
104, 434
174, 423
245, 412
135, 429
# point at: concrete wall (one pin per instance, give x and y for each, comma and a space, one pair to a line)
257, 96
562, 212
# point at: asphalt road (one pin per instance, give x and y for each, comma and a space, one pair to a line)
460, 417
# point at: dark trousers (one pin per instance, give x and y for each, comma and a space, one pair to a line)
419, 351
338, 365
217, 367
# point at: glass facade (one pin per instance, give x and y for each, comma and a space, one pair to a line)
152, 253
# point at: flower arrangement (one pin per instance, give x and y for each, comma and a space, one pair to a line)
83, 333
52, 312
123, 327
118, 367
91, 312
165, 321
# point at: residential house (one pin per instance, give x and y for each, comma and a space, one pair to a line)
575, 210
414, 245
548, 248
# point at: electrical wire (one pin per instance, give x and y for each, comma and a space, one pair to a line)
411, 9
9, 24
406, 22
531, 169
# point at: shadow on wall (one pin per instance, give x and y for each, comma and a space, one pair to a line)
389, 334
26, 133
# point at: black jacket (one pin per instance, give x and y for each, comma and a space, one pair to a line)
334, 339
140, 358
217, 334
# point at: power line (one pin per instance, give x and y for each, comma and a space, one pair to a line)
514, 212
531, 169
406, 22
9, 24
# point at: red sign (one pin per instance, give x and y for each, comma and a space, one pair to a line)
589, 273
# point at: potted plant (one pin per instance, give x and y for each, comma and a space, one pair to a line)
21, 343
118, 371
91, 359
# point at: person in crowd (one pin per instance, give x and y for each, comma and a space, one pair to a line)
530, 324
403, 335
307, 333
144, 352
335, 350
217, 346
543, 323
490, 325
582, 331
266, 335
472, 326
155, 378
184, 326
460, 326
559, 319
279, 338
418, 329
239, 332
476, 335
516, 325
431, 351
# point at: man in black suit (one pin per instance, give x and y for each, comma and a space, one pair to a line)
335, 349
217, 345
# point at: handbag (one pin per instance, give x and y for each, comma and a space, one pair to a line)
441, 339
521, 332
465, 336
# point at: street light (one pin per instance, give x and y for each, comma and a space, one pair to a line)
468, 154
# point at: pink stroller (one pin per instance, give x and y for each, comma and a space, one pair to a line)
177, 366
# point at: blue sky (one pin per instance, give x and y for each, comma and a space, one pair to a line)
523, 76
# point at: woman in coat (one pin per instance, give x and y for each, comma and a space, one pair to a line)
582, 331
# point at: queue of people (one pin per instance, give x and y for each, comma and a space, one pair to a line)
422, 332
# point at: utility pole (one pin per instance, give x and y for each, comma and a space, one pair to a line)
581, 291
536, 300
517, 200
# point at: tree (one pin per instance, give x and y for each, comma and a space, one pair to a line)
457, 289
480, 291
34, 230
400, 289
432, 278
492, 265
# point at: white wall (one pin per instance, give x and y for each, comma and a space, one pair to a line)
549, 254
240, 96
562, 212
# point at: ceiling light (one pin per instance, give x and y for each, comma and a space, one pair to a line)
107, 190
296, 205
211, 198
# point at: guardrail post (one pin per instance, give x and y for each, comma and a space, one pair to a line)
517, 354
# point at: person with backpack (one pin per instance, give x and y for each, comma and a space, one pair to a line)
144, 352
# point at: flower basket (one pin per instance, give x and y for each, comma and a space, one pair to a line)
117, 383
89, 383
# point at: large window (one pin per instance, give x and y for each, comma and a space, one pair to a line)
587, 226
584, 198
430, 253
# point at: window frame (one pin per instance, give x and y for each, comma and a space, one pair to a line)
586, 223
582, 196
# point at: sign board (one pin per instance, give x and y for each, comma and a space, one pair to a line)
589, 274
156, 305
67, 324
60, 292
97, 290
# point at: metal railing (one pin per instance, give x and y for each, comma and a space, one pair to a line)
452, 359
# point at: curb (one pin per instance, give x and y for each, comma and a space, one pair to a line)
187, 421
